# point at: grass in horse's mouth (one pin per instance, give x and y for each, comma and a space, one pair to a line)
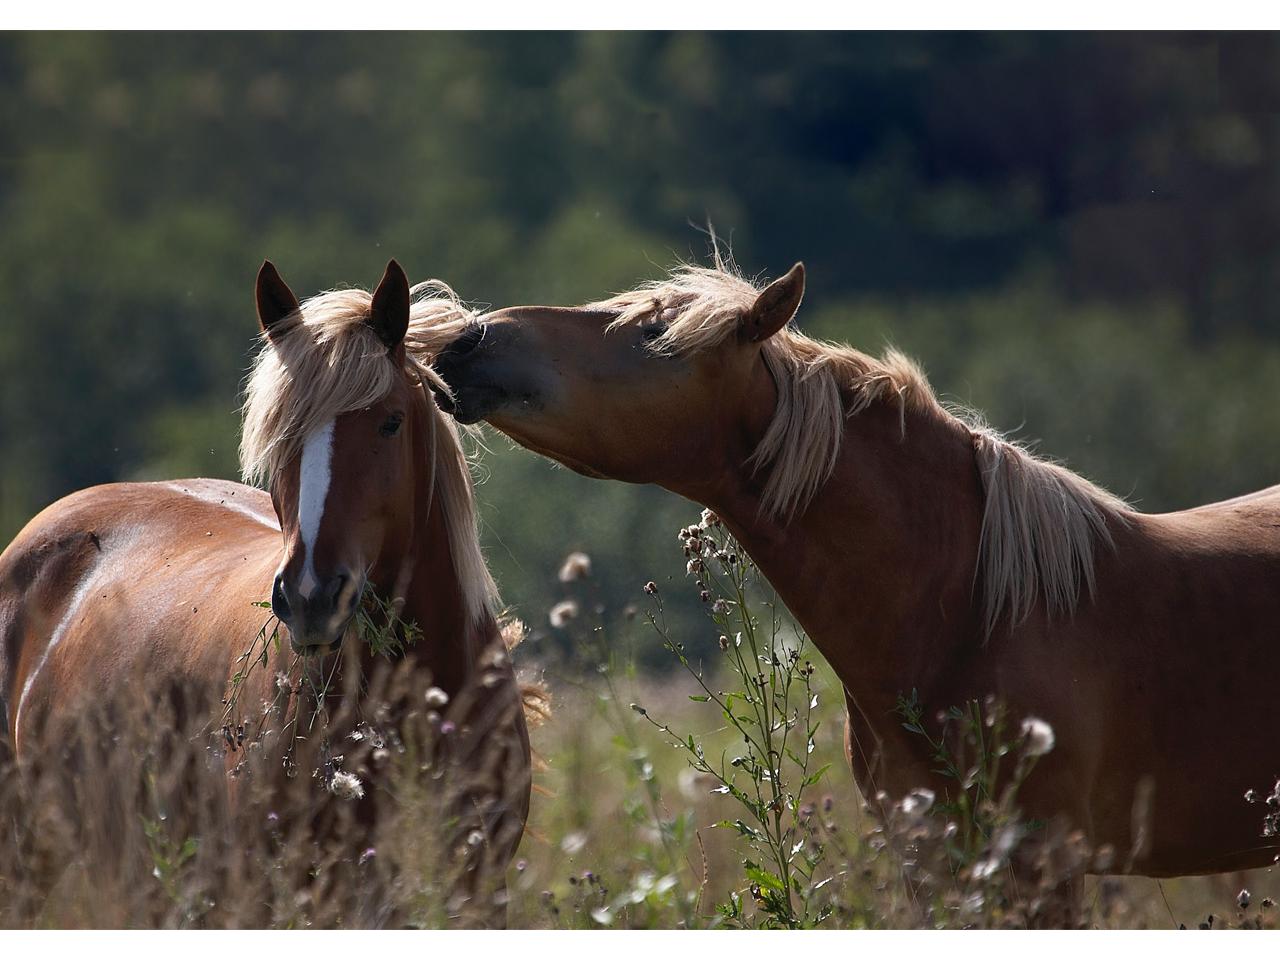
378, 623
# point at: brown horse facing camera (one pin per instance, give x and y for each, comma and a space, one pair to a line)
370, 487
921, 550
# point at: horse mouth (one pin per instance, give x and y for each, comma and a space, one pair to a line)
319, 645
444, 400
314, 648
471, 403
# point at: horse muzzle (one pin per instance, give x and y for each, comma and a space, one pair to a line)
482, 371
316, 622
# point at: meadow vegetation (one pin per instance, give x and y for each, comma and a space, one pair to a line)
715, 797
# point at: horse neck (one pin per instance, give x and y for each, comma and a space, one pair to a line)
879, 568
452, 639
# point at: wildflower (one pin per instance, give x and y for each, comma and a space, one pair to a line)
436, 697
721, 607
724, 642
709, 519
447, 727
346, 786
918, 801
694, 566
369, 854
704, 595
573, 842
576, 566
522, 865
651, 588
1038, 735
562, 613
475, 838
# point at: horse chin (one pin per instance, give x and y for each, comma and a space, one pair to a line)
472, 403
316, 646
577, 466
313, 649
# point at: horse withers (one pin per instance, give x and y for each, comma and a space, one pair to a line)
156, 592
924, 552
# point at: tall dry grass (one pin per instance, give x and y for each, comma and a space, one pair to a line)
651, 808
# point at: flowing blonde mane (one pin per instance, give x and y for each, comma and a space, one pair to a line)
325, 361
1041, 523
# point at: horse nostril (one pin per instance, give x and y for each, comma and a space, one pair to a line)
280, 602
334, 592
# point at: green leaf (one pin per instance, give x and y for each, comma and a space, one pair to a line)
817, 775
765, 879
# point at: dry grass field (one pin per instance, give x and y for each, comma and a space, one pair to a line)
650, 810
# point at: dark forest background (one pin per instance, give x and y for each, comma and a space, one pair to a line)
1077, 233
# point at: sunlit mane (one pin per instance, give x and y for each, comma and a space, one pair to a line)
1041, 523
325, 361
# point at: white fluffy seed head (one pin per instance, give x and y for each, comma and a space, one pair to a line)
1038, 737
346, 786
436, 697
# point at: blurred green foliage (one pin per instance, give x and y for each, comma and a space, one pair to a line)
1077, 233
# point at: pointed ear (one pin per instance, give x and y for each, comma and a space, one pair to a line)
774, 308
275, 300
389, 314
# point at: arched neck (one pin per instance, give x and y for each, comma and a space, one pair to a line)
879, 567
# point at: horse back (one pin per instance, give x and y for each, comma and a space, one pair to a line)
105, 573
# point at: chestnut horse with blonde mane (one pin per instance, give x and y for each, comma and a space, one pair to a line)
920, 550
161, 584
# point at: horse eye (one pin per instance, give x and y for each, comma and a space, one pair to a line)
392, 425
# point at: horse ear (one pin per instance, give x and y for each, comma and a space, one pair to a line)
274, 298
774, 307
389, 314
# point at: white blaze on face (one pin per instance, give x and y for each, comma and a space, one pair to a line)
313, 483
